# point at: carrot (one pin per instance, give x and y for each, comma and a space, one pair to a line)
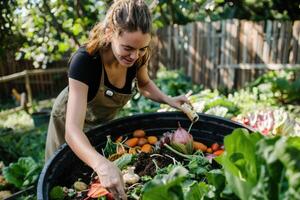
152, 139
97, 190
209, 150
218, 152
199, 146
146, 148
119, 139
215, 146
142, 141
139, 133
132, 142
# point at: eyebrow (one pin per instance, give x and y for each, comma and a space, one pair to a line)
133, 47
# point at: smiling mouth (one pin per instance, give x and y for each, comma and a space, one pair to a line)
128, 61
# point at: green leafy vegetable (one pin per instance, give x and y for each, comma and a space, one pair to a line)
124, 160
23, 173
166, 186
258, 167
110, 147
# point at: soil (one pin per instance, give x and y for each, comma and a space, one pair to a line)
146, 163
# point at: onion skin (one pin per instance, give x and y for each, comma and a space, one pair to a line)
182, 141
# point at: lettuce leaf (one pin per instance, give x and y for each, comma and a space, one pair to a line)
239, 162
23, 173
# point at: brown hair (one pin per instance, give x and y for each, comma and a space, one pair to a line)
123, 15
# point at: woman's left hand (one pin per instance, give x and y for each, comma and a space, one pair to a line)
177, 101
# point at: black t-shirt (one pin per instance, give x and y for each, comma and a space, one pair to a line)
87, 69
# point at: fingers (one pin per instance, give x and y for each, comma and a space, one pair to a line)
114, 193
120, 188
121, 193
115, 185
118, 192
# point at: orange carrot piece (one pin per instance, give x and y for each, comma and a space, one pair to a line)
218, 152
132, 142
146, 148
139, 133
152, 139
209, 150
97, 190
142, 141
199, 146
215, 146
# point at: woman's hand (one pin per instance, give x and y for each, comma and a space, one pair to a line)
111, 178
177, 101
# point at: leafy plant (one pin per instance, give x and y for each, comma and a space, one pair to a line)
283, 85
17, 144
23, 173
175, 185
258, 167
175, 82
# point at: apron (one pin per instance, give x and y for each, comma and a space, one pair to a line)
102, 108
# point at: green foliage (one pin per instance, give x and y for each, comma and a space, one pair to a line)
258, 167
175, 82
52, 28
22, 144
124, 160
182, 12
283, 85
110, 147
240, 163
23, 173
175, 185
198, 166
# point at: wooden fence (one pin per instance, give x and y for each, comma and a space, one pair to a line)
38, 83
228, 53
221, 54
28, 80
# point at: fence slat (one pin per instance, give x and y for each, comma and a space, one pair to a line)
294, 41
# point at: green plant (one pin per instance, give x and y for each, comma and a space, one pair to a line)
19, 144
283, 85
258, 167
23, 173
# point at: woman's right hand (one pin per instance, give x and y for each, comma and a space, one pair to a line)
111, 178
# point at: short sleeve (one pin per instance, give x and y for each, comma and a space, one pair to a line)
79, 67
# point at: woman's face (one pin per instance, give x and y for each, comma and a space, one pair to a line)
127, 47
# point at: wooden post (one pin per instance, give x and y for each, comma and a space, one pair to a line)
28, 88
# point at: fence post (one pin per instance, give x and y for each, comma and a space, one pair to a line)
28, 88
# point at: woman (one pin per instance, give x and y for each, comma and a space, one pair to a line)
101, 79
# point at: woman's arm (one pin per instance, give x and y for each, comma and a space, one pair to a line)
109, 175
76, 110
148, 89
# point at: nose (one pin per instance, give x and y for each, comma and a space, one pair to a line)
134, 55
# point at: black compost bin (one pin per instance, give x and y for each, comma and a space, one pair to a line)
64, 165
